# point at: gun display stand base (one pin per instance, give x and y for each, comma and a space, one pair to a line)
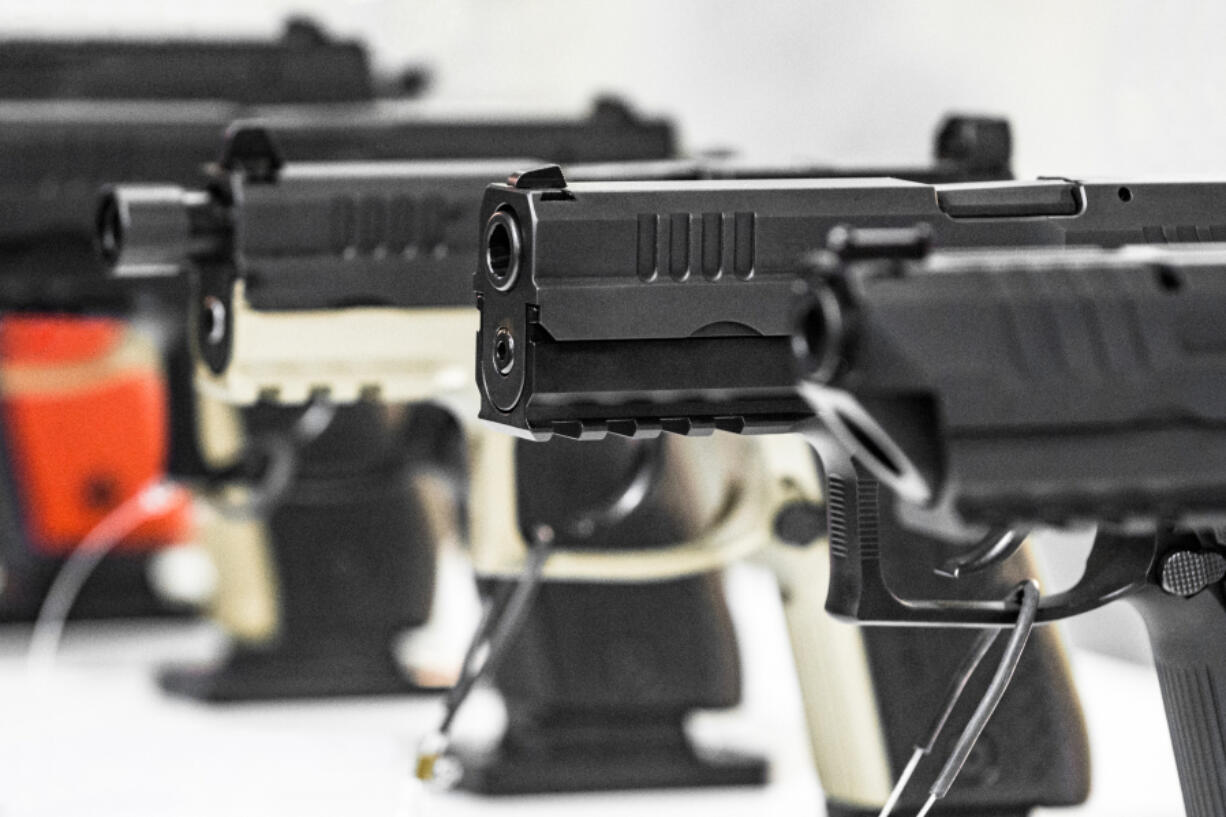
256, 676
557, 763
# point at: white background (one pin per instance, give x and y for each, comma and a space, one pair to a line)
1103, 87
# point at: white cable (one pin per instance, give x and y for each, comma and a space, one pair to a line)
151, 500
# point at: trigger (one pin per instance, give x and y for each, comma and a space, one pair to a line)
994, 548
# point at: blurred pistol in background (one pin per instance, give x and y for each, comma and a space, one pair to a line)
89, 112
84, 398
271, 587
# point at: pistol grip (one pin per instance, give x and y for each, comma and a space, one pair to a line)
1190, 655
316, 591
871, 692
845, 733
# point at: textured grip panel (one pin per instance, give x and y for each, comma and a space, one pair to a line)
1034, 751
353, 545
1193, 696
1189, 640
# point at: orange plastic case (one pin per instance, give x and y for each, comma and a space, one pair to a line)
86, 420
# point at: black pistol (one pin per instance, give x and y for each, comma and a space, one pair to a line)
300, 228
75, 113
1012, 389
636, 309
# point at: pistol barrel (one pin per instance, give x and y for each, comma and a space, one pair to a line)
145, 230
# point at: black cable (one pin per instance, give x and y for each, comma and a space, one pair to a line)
1027, 596
504, 622
1029, 592
281, 453
506, 612
957, 686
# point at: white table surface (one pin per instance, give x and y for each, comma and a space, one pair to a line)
97, 737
